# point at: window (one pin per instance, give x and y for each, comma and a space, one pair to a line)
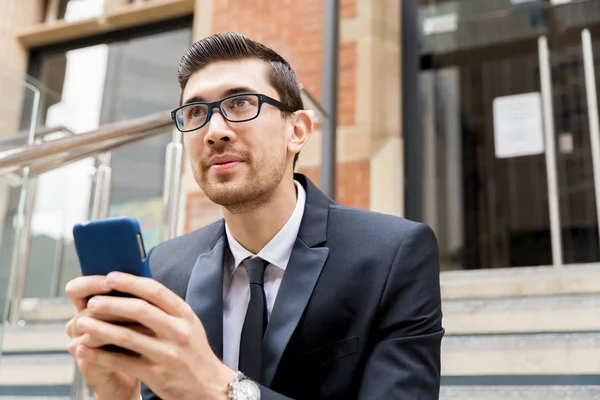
73, 10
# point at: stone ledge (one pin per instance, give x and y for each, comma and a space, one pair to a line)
520, 282
520, 393
37, 374
561, 313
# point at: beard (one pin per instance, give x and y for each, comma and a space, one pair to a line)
247, 188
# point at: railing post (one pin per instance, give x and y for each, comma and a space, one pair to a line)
101, 202
172, 185
20, 256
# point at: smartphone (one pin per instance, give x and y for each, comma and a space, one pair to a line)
112, 244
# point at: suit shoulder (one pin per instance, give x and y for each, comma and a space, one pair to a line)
172, 261
198, 241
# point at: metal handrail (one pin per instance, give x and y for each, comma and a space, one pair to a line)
40, 133
37, 157
48, 155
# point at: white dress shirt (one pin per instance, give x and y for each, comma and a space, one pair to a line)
236, 288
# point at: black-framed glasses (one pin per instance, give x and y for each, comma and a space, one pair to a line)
236, 108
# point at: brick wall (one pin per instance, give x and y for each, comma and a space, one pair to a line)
295, 30
353, 182
199, 211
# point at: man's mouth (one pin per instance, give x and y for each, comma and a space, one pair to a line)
226, 165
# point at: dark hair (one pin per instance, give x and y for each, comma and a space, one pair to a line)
235, 46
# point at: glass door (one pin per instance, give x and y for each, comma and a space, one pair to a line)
508, 171
573, 39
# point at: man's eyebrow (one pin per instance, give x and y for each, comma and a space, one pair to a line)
238, 90
228, 92
193, 99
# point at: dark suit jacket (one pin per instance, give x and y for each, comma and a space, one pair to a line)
358, 313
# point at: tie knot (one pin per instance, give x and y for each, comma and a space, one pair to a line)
255, 267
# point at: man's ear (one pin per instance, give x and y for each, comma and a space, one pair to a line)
302, 128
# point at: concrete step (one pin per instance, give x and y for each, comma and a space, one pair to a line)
541, 354
520, 393
41, 374
558, 313
521, 282
35, 337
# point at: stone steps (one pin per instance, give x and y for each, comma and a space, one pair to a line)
473, 365
527, 333
520, 392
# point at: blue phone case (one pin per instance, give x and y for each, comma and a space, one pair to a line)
111, 244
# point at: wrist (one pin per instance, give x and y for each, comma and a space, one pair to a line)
136, 394
223, 377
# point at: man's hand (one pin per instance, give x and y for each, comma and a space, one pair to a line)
107, 383
175, 361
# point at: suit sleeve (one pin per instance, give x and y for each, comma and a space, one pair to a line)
405, 360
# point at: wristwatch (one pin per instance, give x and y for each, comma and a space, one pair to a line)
243, 388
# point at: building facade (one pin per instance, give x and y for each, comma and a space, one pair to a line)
98, 62
477, 117
488, 140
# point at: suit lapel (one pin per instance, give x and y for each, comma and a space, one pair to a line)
299, 280
205, 287
297, 285
205, 293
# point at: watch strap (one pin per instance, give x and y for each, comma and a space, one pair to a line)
231, 385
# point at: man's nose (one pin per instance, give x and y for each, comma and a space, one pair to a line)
219, 130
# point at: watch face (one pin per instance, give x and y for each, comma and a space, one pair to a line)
246, 390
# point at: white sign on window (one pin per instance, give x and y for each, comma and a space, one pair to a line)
439, 24
518, 125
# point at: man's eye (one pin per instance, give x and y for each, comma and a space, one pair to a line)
239, 103
197, 112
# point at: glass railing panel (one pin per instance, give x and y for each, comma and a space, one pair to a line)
65, 197
18, 113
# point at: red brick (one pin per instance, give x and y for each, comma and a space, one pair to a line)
348, 9
353, 182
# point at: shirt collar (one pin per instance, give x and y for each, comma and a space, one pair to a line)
279, 249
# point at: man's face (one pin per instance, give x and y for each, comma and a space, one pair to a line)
237, 163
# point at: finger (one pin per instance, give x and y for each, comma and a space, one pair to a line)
124, 337
94, 342
107, 308
85, 339
150, 290
134, 366
81, 288
69, 327
89, 341
72, 330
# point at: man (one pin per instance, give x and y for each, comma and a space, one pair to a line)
308, 299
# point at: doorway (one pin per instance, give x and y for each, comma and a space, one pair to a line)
506, 148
